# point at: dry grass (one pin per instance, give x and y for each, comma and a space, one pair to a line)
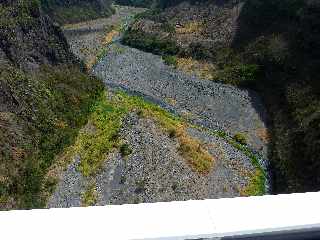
201, 69
198, 157
193, 151
191, 27
171, 101
109, 36
263, 134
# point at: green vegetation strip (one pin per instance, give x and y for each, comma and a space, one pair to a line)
106, 119
257, 183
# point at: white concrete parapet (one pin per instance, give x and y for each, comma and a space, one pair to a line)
214, 219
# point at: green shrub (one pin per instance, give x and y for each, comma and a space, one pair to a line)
239, 75
125, 150
170, 60
198, 51
150, 43
261, 13
168, 27
172, 133
146, 14
240, 138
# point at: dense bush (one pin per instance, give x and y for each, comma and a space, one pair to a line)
240, 138
150, 43
240, 75
136, 3
170, 60
70, 11
263, 13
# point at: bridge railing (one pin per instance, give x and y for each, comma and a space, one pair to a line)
293, 216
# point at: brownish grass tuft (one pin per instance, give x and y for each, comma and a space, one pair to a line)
201, 69
194, 152
263, 134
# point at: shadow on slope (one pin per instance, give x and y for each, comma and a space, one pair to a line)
282, 38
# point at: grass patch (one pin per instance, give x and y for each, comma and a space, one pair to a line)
240, 138
256, 186
258, 179
201, 69
90, 196
194, 152
170, 60
107, 117
93, 148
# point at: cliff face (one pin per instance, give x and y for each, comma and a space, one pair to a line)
29, 39
71, 11
44, 99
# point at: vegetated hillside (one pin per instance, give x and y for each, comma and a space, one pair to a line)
44, 99
155, 3
270, 46
187, 29
137, 3
282, 38
70, 11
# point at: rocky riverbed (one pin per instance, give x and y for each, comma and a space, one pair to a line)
204, 102
87, 39
156, 170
